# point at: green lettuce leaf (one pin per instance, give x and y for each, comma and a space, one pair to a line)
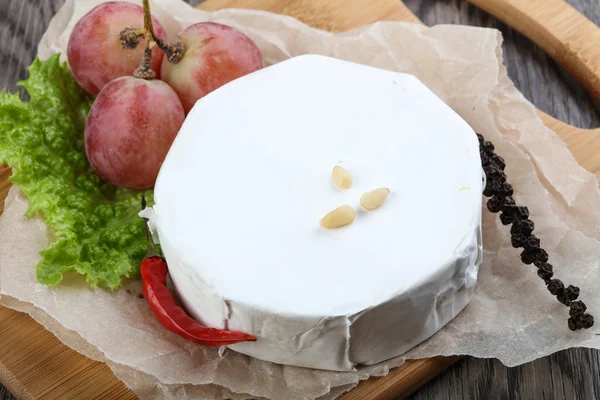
97, 232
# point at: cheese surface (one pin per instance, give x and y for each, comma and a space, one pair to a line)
241, 192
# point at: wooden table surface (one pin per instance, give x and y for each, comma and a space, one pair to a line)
572, 374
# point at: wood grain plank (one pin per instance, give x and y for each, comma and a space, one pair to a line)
560, 30
318, 14
44, 368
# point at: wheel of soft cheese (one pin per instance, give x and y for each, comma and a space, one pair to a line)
247, 180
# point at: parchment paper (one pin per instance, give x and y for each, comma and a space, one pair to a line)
511, 317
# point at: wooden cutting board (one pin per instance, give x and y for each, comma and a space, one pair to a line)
35, 365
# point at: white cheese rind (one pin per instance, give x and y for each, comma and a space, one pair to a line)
240, 195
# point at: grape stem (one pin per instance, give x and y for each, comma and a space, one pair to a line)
145, 71
130, 37
173, 51
148, 26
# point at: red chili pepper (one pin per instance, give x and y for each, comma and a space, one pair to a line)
154, 286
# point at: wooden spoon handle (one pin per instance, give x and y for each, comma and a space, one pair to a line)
565, 34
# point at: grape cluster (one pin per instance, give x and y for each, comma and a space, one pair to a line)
501, 201
144, 92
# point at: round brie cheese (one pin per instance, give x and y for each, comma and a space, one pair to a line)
241, 192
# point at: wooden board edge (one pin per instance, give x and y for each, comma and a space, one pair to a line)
560, 30
311, 12
403, 381
12, 384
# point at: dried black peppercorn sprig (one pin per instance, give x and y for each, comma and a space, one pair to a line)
500, 193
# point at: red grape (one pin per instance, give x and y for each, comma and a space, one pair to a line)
95, 53
214, 55
130, 129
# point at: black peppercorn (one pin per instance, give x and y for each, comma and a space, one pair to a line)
492, 172
488, 147
555, 286
572, 292
507, 218
516, 229
485, 158
498, 175
541, 256
522, 213
527, 227
491, 169
518, 240
505, 189
578, 307
507, 202
524, 227
497, 186
561, 297
495, 203
510, 210
538, 263
586, 321
492, 187
480, 138
572, 324
498, 161
528, 256
545, 272
532, 242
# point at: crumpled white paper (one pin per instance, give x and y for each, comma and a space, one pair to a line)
511, 316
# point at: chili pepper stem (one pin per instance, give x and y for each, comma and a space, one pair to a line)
151, 247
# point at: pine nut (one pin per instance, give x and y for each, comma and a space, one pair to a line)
373, 199
339, 217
